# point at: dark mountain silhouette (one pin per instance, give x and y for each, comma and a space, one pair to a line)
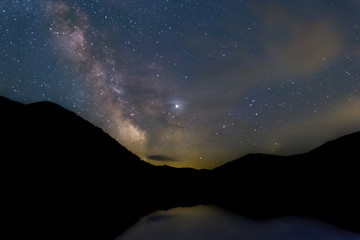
64, 178
67, 179
321, 183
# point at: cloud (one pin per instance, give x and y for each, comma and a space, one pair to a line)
307, 48
284, 43
297, 42
161, 158
342, 117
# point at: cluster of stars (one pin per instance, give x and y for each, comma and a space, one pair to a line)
197, 83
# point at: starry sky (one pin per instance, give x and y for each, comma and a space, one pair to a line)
190, 83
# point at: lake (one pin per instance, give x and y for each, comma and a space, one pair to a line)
210, 222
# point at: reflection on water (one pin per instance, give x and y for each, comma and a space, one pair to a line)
209, 222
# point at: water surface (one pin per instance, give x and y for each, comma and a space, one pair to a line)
210, 222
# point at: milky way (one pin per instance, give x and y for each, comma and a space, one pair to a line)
190, 83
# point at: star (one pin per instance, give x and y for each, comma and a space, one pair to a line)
168, 77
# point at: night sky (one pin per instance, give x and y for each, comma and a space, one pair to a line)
190, 83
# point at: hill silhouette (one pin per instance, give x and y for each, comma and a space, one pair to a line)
65, 178
321, 183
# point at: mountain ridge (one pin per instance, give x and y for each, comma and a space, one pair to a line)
58, 166
320, 183
338, 143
